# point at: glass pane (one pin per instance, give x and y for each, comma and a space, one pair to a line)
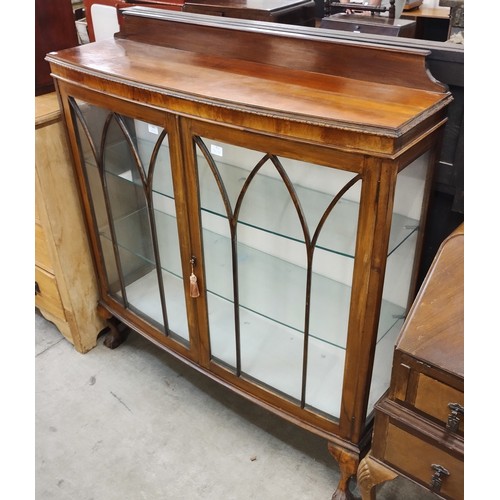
259, 214
408, 207
131, 186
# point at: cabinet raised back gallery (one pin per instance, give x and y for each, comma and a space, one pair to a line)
255, 199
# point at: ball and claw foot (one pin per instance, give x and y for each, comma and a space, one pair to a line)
116, 335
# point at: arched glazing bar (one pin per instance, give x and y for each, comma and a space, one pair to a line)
98, 158
146, 179
232, 218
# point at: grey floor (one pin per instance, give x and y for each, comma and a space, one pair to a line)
135, 424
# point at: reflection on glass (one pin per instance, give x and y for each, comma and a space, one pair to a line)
127, 168
408, 201
278, 286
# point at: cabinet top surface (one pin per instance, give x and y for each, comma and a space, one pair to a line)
253, 86
434, 330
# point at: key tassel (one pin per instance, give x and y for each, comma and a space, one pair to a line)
193, 281
193, 286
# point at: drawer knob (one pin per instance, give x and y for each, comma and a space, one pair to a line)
37, 288
437, 478
455, 416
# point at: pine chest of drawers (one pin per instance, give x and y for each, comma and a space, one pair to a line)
65, 286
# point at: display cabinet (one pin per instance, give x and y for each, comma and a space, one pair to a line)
257, 213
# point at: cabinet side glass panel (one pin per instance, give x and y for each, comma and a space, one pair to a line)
408, 202
127, 169
278, 253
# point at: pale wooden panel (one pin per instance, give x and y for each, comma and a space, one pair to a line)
61, 217
42, 255
48, 297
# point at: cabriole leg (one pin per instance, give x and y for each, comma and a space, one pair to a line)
348, 464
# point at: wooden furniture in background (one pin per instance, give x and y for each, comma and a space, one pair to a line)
432, 23
55, 29
175, 5
65, 287
374, 25
296, 12
258, 213
358, 18
419, 425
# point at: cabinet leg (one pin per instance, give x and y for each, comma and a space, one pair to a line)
348, 464
116, 335
370, 473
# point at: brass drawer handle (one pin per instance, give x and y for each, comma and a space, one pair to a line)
455, 416
437, 479
37, 289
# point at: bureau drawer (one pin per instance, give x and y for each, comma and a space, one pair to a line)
415, 457
47, 295
434, 398
42, 254
416, 448
433, 393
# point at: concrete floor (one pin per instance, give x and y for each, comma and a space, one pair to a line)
134, 423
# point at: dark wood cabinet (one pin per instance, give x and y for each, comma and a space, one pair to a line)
175, 5
294, 12
424, 408
300, 12
255, 199
55, 29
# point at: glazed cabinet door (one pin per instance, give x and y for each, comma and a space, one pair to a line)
278, 225
278, 262
128, 174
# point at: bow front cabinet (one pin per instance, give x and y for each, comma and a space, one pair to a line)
255, 199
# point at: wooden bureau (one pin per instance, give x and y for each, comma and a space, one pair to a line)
65, 289
419, 425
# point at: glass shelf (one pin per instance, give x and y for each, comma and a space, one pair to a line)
268, 195
271, 352
265, 196
143, 295
329, 299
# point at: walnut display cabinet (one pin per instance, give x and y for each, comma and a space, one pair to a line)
254, 200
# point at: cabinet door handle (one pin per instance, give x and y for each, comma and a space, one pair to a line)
193, 280
37, 288
437, 478
455, 416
